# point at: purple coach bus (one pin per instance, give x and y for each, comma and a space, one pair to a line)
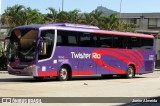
64, 50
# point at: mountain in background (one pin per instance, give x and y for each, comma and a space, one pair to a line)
106, 10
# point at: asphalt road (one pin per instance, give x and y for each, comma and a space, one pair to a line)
147, 86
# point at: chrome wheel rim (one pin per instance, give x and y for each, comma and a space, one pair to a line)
130, 72
63, 73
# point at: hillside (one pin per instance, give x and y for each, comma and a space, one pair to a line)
106, 10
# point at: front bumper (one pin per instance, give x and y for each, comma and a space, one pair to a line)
29, 71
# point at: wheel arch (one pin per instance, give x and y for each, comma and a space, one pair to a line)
134, 67
68, 66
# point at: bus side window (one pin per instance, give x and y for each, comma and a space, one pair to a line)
146, 43
85, 40
134, 43
67, 38
72, 40
115, 42
124, 41
46, 44
120, 42
59, 40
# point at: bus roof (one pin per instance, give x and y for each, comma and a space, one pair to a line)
83, 28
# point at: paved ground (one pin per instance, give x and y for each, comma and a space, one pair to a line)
147, 85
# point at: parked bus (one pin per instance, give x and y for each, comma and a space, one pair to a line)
63, 50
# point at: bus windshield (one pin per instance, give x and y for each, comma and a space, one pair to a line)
22, 45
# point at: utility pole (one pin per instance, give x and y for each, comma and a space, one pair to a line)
62, 4
120, 13
120, 10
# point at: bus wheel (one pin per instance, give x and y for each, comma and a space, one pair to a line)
39, 78
130, 72
63, 74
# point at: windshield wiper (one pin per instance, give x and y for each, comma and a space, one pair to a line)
27, 51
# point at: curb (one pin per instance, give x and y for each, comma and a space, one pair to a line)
157, 70
3, 72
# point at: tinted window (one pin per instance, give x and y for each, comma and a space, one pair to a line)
67, 38
134, 42
120, 42
72, 40
87, 40
146, 43
82, 39
105, 41
59, 40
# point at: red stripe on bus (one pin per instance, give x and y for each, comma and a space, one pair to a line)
131, 55
142, 57
47, 73
108, 67
136, 55
108, 52
139, 56
105, 65
90, 72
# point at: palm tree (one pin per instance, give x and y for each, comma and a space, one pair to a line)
15, 16
33, 16
62, 16
73, 16
110, 23
96, 14
87, 18
52, 16
19, 15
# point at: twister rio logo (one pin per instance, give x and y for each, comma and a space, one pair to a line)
85, 55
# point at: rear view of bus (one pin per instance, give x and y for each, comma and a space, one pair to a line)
64, 50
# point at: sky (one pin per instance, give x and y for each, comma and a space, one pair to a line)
128, 6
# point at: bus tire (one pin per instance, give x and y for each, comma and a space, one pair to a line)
130, 72
63, 74
39, 78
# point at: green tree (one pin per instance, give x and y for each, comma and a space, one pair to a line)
112, 22
15, 16
33, 16
20, 15
87, 18
62, 16
96, 14
74, 16
52, 16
